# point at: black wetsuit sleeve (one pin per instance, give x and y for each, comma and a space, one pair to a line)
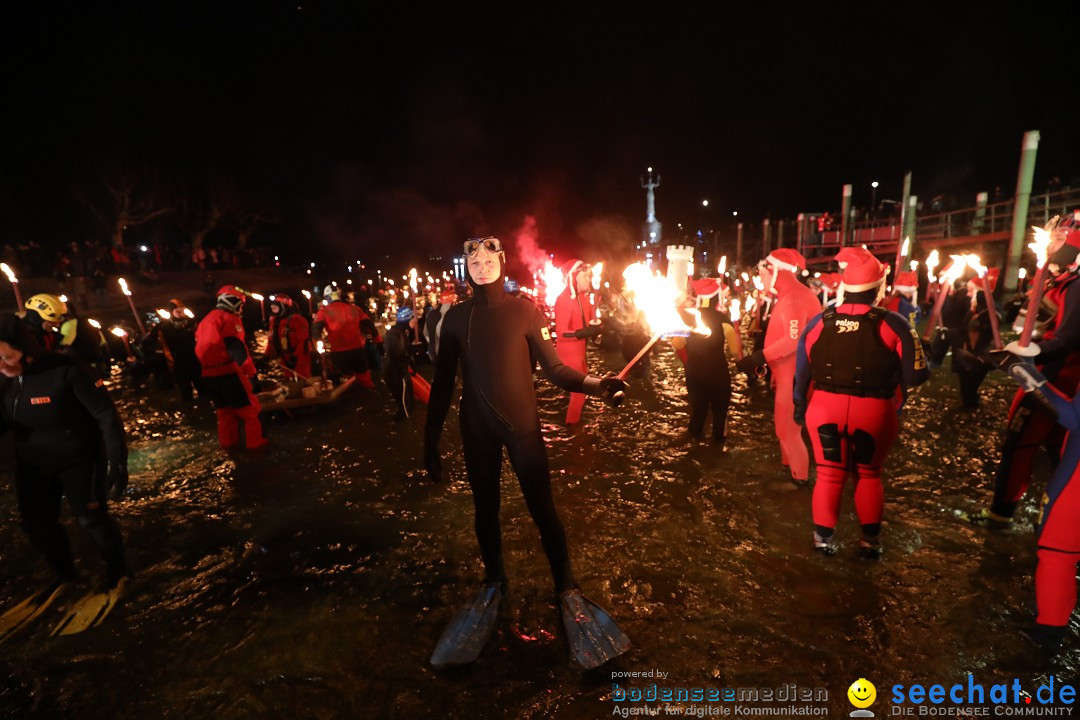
368, 329
317, 329
1067, 334
556, 371
442, 387
95, 398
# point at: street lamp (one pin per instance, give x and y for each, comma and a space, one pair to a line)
873, 198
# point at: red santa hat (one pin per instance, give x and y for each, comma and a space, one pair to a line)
861, 270
830, 280
786, 259
992, 275
906, 281
706, 289
570, 269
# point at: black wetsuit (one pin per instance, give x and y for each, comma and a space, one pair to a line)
178, 342
66, 430
708, 379
396, 344
497, 339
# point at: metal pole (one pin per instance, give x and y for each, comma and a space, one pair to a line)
1028, 148
909, 217
845, 210
904, 205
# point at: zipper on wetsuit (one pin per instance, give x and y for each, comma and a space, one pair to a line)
472, 371
15, 402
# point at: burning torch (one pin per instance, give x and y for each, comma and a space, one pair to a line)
124, 289
901, 253
1041, 248
951, 274
736, 325
975, 264
122, 334
321, 348
308, 296
262, 305
656, 297
14, 284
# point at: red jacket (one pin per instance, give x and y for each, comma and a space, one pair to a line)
289, 336
342, 322
792, 310
210, 348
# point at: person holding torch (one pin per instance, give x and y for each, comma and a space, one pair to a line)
1057, 355
795, 305
708, 380
861, 359
497, 340
575, 323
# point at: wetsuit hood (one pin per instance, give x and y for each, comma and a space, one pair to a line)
491, 294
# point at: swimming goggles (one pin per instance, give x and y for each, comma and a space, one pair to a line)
491, 244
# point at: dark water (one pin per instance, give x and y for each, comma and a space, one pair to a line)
311, 580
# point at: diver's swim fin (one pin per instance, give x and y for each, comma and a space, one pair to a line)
32, 607
90, 611
468, 632
593, 636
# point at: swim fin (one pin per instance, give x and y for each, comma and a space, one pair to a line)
29, 609
90, 611
593, 636
468, 632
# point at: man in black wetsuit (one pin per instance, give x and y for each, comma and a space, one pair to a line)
497, 338
69, 442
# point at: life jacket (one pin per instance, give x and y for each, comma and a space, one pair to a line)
850, 358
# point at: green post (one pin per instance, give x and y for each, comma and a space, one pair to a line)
909, 219
738, 246
904, 206
845, 211
1028, 148
978, 225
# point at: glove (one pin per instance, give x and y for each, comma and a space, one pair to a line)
751, 363
1017, 349
800, 414
613, 388
1023, 372
432, 458
572, 334
116, 481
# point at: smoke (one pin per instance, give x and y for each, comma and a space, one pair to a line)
527, 246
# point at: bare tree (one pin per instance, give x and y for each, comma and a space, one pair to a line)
198, 217
123, 194
246, 223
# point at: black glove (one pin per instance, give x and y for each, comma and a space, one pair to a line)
256, 386
432, 458
572, 334
751, 363
116, 481
800, 414
613, 389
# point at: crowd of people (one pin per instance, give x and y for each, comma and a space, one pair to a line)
840, 351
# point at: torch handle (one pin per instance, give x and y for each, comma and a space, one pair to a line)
935, 313
641, 353
18, 295
1034, 301
138, 320
991, 310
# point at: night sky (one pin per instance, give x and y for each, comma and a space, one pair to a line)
402, 131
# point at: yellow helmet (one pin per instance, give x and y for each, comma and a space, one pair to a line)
49, 307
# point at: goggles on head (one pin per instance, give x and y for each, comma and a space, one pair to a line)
491, 244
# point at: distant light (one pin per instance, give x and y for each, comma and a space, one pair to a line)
874, 184
312, 264
63, 298
144, 248
95, 323
370, 282
705, 203
734, 213
650, 169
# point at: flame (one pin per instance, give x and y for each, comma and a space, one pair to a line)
975, 263
656, 297
412, 279
256, 296
123, 286
164, 314
722, 267
1041, 246
320, 347
95, 323
914, 265
746, 278
119, 332
906, 246
953, 270
735, 314
552, 279
306, 294
1021, 273
6, 269
63, 298
597, 272
751, 303
699, 326
932, 262
758, 283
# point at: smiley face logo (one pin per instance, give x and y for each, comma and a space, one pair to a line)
862, 693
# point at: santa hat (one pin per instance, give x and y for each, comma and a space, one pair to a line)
706, 289
906, 283
861, 270
569, 269
786, 259
991, 277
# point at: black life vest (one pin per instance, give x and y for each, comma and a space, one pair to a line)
850, 358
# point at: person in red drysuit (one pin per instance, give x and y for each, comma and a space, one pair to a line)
1057, 355
228, 371
575, 323
1058, 528
290, 338
861, 359
795, 304
344, 324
